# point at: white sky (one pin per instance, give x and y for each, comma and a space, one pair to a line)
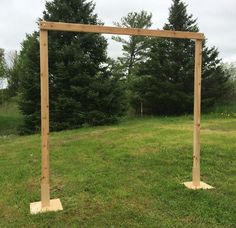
216, 18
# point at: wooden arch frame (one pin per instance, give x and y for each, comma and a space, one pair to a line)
53, 205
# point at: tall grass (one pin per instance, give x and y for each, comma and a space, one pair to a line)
227, 108
10, 118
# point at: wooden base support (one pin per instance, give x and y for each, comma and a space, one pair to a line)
202, 185
55, 205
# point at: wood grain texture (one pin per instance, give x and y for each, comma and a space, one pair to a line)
71, 27
45, 190
55, 205
57, 26
197, 112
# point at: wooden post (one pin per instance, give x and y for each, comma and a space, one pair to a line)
53, 205
197, 113
45, 204
196, 183
45, 190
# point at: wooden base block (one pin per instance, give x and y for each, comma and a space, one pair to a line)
202, 185
36, 207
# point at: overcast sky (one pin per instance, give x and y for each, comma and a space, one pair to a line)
217, 19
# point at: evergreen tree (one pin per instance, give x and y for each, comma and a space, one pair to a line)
230, 68
81, 87
29, 102
171, 66
135, 48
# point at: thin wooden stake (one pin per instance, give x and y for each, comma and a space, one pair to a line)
141, 108
45, 189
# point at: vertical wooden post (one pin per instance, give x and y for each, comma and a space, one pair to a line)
196, 183
197, 113
45, 190
45, 204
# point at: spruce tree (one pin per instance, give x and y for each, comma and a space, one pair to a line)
29, 89
171, 66
81, 87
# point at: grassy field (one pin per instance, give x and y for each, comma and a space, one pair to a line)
127, 175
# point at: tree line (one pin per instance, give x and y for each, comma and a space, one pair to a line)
154, 76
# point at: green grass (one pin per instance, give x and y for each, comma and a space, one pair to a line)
10, 118
127, 175
224, 110
230, 107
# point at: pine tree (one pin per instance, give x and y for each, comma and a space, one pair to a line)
135, 48
81, 87
171, 66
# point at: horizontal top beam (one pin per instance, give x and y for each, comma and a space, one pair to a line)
71, 27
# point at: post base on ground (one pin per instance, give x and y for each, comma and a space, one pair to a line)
202, 185
55, 205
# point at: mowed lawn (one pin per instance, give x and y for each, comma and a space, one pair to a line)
126, 175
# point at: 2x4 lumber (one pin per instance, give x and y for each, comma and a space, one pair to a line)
72, 27
45, 190
197, 112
